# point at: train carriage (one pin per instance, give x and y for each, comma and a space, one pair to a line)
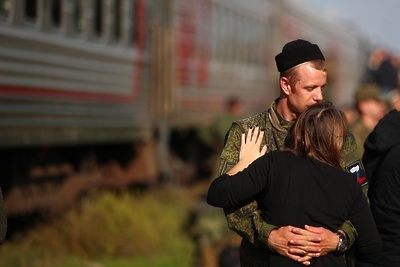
79, 77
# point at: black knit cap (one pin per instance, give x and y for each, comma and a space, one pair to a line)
297, 52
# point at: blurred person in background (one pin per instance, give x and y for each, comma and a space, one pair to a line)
217, 246
351, 113
382, 164
233, 111
291, 181
303, 76
383, 71
371, 107
394, 99
375, 59
213, 135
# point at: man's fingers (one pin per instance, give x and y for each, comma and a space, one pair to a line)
297, 251
305, 259
306, 234
313, 229
305, 240
314, 255
305, 250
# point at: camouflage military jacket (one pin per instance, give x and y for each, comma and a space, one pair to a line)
246, 220
361, 133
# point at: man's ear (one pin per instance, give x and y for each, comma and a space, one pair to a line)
285, 86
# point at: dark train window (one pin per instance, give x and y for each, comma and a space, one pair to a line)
5, 6
117, 19
78, 16
218, 33
214, 32
31, 10
133, 21
98, 21
56, 13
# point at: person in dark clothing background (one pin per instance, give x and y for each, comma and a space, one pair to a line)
383, 71
387, 76
302, 185
382, 163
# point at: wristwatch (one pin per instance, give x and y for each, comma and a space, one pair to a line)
343, 244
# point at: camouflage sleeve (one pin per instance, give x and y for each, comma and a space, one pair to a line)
245, 221
350, 231
351, 161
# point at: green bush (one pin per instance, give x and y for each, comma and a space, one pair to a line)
109, 227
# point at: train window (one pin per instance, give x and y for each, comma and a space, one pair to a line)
117, 19
221, 37
214, 32
5, 6
241, 37
133, 20
230, 35
254, 42
261, 43
78, 18
235, 37
203, 26
31, 10
56, 13
244, 49
98, 20
248, 41
226, 34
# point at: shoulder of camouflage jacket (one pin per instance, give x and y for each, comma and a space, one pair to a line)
230, 152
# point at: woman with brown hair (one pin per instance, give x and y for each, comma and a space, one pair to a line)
303, 185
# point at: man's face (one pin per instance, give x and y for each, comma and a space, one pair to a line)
307, 89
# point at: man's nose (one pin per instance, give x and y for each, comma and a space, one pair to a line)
318, 95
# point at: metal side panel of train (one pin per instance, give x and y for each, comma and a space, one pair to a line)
61, 85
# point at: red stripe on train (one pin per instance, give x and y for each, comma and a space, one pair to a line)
8, 90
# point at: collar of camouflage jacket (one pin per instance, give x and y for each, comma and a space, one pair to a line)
277, 121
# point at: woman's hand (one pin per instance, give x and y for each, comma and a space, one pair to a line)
249, 149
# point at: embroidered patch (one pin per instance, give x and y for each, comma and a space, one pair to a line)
358, 169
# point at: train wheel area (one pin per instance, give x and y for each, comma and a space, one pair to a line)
50, 179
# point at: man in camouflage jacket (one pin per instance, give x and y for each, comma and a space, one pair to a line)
296, 96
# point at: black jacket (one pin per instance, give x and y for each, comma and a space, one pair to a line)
296, 191
382, 164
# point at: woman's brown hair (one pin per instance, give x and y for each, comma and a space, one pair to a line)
319, 133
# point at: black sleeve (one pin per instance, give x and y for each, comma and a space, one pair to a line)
368, 244
228, 191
